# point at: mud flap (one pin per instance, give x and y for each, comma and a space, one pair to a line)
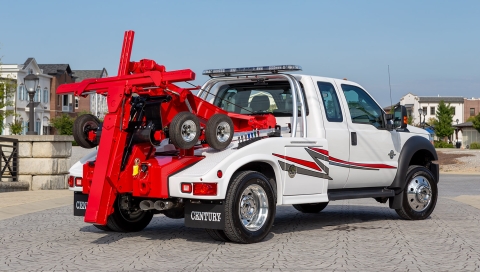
206, 216
80, 202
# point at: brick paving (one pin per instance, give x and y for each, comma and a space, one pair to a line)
359, 235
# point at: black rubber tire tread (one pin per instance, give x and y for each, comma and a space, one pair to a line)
116, 221
176, 127
78, 130
408, 213
176, 213
234, 229
101, 227
217, 235
211, 131
311, 208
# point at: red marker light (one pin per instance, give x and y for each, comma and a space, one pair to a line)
70, 181
219, 174
78, 182
207, 189
186, 188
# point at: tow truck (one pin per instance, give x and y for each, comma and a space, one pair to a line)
251, 138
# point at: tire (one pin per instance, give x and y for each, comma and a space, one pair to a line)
101, 227
184, 130
249, 191
219, 131
420, 194
81, 126
310, 207
121, 221
217, 235
176, 213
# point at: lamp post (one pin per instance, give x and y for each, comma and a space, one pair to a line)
31, 83
420, 111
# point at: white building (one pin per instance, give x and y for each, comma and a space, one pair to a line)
18, 72
98, 102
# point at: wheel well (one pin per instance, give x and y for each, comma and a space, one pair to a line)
422, 157
263, 168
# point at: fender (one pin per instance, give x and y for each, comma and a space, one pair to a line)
411, 146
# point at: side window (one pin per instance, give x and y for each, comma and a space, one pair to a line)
330, 102
363, 110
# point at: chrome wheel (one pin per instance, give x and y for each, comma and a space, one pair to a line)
189, 131
223, 132
419, 193
253, 207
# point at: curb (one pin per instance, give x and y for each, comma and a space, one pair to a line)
14, 186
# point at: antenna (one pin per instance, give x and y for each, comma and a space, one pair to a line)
390, 85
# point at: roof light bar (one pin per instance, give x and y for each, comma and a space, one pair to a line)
250, 70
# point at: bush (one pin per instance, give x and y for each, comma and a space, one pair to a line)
474, 146
441, 144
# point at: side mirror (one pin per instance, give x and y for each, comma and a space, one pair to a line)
388, 121
400, 118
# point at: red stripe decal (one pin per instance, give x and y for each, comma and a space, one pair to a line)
308, 164
321, 151
367, 165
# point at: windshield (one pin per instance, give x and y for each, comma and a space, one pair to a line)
249, 98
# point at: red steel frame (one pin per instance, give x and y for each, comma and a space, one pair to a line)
104, 179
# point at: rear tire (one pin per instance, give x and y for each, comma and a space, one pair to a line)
184, 130
81, 126
128, 221
217, 235
249, 208
310, 207
219, 131
420, 194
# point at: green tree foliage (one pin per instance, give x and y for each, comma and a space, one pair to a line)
470, 119
443, 126
7, 89
16, 127
476, 122
410, 120
63, 124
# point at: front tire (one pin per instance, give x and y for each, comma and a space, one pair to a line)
122, 220
420, 194
249, 208
310, 207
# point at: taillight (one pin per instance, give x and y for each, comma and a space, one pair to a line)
78, 182
208, 189
186, 188
70, 181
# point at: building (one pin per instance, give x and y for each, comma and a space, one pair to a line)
469, 134
429, 106
472, 107
97, 104
21, 105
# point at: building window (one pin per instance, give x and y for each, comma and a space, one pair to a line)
37, 128
453, 110
76, 102
21, 94
432, 110
45, 95
67, 103
424, 111
472, 111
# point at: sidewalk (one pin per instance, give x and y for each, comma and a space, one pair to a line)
19, 203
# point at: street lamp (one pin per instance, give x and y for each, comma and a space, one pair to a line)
31, 83
420, 112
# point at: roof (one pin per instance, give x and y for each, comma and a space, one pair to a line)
54, 69
27, 62
437, 99
466, 124
84, 74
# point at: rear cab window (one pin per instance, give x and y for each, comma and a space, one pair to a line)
333, 112
252, 98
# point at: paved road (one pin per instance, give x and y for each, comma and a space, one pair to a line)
348, 235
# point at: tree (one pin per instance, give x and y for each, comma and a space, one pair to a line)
7, 89
443, 126
63, 124
476, 122
16, 127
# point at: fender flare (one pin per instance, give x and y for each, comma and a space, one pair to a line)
411, 146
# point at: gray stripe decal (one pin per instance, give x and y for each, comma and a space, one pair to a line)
303, 171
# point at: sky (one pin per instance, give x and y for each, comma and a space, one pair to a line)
430, 47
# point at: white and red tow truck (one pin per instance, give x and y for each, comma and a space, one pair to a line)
251, 139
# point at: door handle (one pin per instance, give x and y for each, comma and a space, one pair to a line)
354, 138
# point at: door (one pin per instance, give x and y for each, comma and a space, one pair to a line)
336, 132
374, 150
